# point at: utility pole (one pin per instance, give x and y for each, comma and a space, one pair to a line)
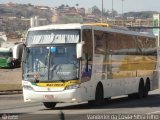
122, 8
122, 13
112, 10
102, 13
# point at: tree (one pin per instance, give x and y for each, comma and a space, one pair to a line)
67, 5
62, 6
95, 10
77, 5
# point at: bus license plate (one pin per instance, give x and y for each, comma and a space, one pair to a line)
48, 97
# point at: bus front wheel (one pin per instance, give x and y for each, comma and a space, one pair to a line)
99, 98
49, 105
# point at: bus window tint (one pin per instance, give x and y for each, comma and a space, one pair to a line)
100, 42
87, 57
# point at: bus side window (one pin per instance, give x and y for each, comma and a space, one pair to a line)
86, 65
87, 56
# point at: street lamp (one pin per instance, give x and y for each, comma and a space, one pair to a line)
122, 8
102, 13
112, 9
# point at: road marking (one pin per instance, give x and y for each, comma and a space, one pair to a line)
154, 112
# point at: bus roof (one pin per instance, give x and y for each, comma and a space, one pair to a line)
58, 26
69, 26
5, 49
95, 26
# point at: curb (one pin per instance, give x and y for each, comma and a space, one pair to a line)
9, 92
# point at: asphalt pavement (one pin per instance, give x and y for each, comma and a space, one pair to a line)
119, 108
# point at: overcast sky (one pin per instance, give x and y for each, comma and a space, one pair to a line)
128, 5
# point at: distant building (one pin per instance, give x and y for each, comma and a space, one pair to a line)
67, 11
81, 11
42, 7
89, 11
10, 4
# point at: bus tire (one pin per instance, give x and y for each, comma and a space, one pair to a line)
147, 88
132, 96
49, 105
99, 96
11, 65
141, 88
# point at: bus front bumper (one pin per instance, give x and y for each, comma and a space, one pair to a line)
72, 95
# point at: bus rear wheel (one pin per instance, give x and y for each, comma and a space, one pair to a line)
147, 88
49, 105
141, 90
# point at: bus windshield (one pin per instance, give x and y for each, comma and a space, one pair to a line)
51, 63
5, 54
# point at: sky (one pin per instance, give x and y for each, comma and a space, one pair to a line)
128, 5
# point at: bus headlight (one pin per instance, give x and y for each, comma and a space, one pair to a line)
27, 87
72, 86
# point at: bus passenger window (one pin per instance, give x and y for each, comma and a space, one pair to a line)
87, 55
86, 66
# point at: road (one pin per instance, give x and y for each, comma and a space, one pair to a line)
14, 107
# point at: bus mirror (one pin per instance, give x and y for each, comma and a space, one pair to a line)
79, 50
24, 45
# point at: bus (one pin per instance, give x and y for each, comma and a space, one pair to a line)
10, 56
5, 57
87, 62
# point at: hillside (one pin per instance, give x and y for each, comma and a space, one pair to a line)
24, 10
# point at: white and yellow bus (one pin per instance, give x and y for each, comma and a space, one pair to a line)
87, 62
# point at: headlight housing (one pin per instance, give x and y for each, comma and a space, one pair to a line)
27, 87
9, 60
74, 86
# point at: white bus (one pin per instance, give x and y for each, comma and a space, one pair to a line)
80, 62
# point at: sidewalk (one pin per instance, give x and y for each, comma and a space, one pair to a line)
10, 80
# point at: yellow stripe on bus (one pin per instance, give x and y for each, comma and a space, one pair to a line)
57, 84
